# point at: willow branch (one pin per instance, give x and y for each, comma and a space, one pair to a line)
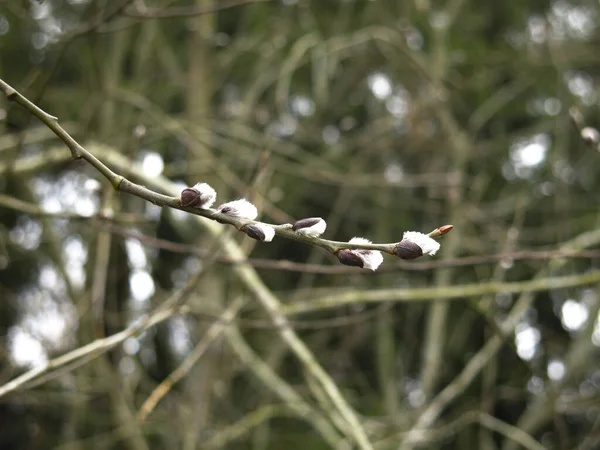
122, 184
270, 303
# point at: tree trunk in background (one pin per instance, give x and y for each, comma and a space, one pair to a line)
210, 292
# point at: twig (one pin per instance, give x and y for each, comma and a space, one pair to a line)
280, 387
141, 11
247, 275
15, 204
243, 426
511, 432
486, 420
123, 184
446, 293
92, 350
177, 375
541, 255
27, 164
173, 305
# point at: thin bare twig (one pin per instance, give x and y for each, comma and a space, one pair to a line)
6, 201
141, 11
445, 293
486, 420
177, 375
93, 349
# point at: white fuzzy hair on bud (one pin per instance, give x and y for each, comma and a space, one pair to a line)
359, 240
427, 244
371, 259
241, 208
312, 226
201, 195
267, 230
208, 194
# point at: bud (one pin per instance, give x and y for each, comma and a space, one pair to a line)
415, 244
259, 231
590, 135
444, 229
408, 250
311, 226
367, 259
349, 258
201, 195
241, 208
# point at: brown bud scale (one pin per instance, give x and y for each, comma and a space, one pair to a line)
190, 197
306, 223
349, 258
445, 229
408, 250
253, 232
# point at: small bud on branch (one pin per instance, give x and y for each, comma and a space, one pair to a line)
201, 195
241, 208
415, 244
259, 231
367, 259
439, 232
349, 258
444, 229
408, 250
311, 226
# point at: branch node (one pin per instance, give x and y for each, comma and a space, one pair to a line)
11, 93
76, 151
116, 182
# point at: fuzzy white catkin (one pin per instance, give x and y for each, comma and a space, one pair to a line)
427, 244
371, 259
241, 208
267, 230
208, 194
359, 240
314, 230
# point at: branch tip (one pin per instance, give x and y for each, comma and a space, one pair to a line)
439, 232
444, 229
